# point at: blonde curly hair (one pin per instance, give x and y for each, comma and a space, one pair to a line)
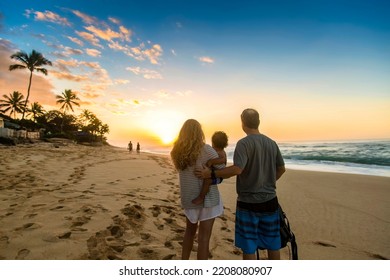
188, 145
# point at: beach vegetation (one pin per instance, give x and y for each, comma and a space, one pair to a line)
33, 62
36, 110
12, 103
67, 99
86, 127
91, 125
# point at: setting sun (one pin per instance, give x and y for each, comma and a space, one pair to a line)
165, 125
167, 137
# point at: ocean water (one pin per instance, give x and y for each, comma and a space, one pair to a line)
353, 157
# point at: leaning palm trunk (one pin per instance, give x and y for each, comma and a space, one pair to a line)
28, 95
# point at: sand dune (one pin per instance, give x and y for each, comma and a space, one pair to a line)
66, 201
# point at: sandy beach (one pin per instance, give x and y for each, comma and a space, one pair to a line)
72, 202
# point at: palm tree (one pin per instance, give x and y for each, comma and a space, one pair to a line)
13, 102
67, 99
32, 61
36, 110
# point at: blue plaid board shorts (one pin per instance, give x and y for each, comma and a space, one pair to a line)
256, 227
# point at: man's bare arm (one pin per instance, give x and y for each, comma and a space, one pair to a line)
226, 172
216, 161
279, 171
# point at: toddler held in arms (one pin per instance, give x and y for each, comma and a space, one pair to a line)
219, 142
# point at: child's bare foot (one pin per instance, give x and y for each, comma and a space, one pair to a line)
198, 200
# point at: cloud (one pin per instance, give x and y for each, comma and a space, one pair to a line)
114, 20
206, 59
118, 47
167, 95
69, 76
146, 73
48, 16
63, 52
121, 82
140, 53
89, 93
76, 41
101, 30
125, 33
39, 36
68, 51
121, 106
85, 18
107, 34
93, 52
153, 53
89, 38
62, 65
93, 78
42, 90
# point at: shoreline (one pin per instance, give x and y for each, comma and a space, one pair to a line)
80, 202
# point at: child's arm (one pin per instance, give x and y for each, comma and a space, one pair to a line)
215, 161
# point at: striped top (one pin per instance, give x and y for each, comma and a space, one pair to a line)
190, 185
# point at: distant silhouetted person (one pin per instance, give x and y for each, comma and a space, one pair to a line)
130, 146
138, 147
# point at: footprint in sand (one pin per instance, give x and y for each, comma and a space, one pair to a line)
156, 210
145, 236
377, 256
168, 244
147, 254
229, 240
225, 229
22, 254
29, 216
79, 221
135, 214
169, 257
168, 220
116, 230
4, 239
60, 207
28, 226
324, 244
158, 225
107, 244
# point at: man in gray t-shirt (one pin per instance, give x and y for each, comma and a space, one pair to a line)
258, 157
258, 164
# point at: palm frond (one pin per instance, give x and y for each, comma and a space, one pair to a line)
16, 66
42, 70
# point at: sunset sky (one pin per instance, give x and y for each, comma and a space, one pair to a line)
315, 70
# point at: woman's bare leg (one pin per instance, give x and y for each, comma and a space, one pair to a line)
205, 230
188, 239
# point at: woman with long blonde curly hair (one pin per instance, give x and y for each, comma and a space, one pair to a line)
190, 151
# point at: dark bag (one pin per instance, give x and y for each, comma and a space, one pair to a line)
286, 234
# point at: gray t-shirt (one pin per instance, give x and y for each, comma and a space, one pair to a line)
257, 156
